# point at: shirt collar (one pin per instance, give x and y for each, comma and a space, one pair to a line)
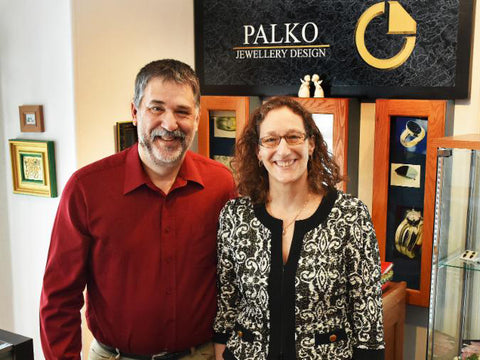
135, 175
189, 170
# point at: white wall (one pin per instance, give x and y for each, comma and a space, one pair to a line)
35, 68
6, 300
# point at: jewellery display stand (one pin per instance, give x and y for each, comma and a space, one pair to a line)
339, 122
222, 119
454, 315
404, 187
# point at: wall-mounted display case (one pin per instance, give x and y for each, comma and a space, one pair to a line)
404, 187
338, 119
454, 317
222, 119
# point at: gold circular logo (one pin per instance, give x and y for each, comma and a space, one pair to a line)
399, 22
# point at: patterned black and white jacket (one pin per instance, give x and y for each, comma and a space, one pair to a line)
324, 303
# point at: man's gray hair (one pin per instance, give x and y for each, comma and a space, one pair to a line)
168, 70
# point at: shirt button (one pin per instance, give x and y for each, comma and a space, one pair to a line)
333, 338
240, 333
167, 230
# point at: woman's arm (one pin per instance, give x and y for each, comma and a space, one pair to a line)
364, 288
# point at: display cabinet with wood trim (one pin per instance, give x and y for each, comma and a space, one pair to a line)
394, 319
222, 119
404, 187
339, 122
454, 312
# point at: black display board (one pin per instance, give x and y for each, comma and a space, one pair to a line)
368, 49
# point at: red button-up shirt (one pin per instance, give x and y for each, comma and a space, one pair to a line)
147, 258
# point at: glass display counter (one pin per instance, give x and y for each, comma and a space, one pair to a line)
454, 315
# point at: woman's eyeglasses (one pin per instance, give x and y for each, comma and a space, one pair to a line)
272, 141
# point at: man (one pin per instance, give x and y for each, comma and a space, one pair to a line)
138, 229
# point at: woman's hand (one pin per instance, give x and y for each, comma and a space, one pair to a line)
219, 349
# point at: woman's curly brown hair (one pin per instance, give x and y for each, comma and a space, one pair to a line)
252, 178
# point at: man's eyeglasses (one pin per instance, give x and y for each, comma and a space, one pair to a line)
272, 141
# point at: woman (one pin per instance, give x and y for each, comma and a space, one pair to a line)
298, 263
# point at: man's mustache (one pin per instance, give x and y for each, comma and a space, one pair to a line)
163, 133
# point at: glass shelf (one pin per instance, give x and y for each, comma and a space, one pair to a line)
456, 262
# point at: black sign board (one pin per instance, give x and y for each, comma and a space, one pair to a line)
368, 49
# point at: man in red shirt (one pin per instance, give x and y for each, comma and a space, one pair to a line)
138, 230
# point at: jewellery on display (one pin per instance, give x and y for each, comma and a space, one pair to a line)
409, 234
470, 256
412, 135
226, 123
407, 171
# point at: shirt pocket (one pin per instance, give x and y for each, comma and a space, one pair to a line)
333, 344
330, 337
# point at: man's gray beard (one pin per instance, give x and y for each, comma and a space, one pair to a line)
147, 144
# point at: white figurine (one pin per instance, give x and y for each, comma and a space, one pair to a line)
318, 87
304, 91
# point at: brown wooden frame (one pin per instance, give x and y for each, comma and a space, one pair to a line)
394, 319
37, 110
436, 113
122, 128
345, 119
238, 104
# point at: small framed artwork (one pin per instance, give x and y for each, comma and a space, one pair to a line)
338, 119
404, 187
222, 119
31, 118
33, 167
125, 135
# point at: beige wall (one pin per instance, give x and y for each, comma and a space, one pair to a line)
112, 40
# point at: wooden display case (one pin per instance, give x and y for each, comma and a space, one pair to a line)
404, 187
339, 122
222, 119
394, 320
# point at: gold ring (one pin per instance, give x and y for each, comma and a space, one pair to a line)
412, 135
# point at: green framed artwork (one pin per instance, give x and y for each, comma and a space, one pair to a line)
33, 167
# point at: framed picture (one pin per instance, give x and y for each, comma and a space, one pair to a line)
339, 122
125, 135
31, 118
33, 167
222, 119
404, 187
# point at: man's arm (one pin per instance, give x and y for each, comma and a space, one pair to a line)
65, 277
